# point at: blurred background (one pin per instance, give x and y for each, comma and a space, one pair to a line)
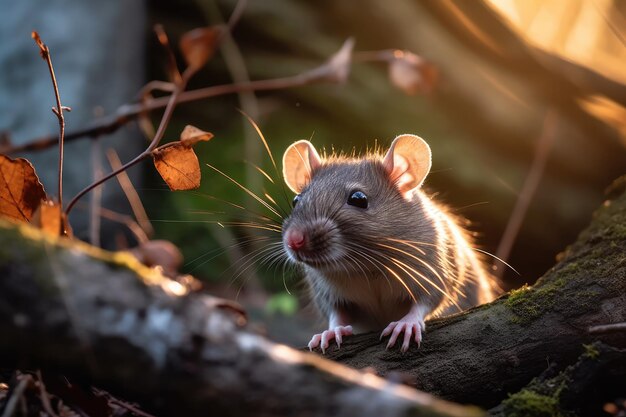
522, 101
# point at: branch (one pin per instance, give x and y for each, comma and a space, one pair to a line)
58, 110
128, 112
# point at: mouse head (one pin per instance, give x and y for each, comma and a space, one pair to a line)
407, 163
341, 202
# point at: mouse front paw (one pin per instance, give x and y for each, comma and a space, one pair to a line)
322, 339
411, 328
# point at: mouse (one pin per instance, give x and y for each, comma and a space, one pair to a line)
378, 253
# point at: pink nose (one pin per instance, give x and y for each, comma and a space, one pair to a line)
295, 239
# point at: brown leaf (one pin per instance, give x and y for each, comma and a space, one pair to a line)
50, 218
192, 135
199, 45
178, 166
159, 253
412, 74
339, 63
21, 192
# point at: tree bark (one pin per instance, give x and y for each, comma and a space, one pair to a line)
481, 355
104, 318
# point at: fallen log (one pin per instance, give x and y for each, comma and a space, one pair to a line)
105, 319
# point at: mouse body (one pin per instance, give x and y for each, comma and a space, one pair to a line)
378, 254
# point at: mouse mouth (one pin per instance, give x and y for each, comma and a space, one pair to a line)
316, 259
317, 244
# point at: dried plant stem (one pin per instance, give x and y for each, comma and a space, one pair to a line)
58, 110
608, 328
542, 151
16, 396
95, 203
126, 220
131, 194
43, 394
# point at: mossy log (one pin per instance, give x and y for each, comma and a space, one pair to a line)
104, 318
481, 355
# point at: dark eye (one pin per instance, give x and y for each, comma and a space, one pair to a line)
358, 199
295, 200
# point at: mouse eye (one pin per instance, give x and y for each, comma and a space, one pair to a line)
358, 199
295, 200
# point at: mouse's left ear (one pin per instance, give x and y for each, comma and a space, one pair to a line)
408, 162
299, 162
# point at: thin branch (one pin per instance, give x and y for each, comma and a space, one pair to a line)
608, 328
172, 67
45, 398
16, 395
128, 112
120, 403
131, 194
58, 110
542, 151
95, 204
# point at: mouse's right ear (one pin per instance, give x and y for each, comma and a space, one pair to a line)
299, 162
407, 162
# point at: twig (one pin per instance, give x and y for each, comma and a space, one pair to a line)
121, 218
43, 394
16, 395
95, 203
121, 403
58, 110
172, 67
131, 194
542, 150
128, 112
608, 328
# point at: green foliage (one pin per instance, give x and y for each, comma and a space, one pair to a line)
591, 351
282, 303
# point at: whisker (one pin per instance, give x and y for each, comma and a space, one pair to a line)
424, 277
250, 193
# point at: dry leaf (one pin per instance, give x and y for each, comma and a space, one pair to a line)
192, 135
339, 64
159, 253
50, 218
412, 74
178, 166
199, 45
21, 192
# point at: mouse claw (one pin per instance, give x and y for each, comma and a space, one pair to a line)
411, 330
322, 340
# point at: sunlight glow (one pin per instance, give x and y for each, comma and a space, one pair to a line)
589, 32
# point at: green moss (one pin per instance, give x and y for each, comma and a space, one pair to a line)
530, 403
529, 303
591, 351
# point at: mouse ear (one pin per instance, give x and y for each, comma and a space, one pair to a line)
408, 162
299, 162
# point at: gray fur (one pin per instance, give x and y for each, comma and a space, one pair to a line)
346, 264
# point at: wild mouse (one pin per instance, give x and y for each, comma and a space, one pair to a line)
377, 252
